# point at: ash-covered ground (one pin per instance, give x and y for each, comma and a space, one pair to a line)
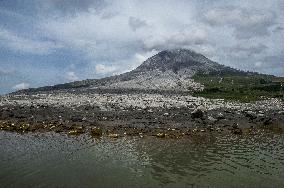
118, 113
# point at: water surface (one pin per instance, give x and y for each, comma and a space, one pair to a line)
54, 160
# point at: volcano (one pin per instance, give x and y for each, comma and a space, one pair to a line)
169, 70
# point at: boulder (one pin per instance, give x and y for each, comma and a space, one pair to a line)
197, 113
220, 116
251, 115
210, 118
281, 112
113, 135
237, 131
160, 135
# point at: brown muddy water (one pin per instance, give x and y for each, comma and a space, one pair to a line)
54, 160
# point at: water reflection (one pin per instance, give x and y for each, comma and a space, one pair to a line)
53, 160
227, 162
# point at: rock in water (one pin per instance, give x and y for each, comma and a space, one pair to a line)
96, 131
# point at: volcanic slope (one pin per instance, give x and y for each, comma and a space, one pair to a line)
169, 70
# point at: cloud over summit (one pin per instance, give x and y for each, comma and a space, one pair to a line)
247, 23
105, 37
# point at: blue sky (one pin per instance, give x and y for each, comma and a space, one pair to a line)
57, 41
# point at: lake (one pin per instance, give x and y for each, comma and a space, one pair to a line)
58, 160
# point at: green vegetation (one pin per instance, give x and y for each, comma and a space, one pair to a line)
244, 88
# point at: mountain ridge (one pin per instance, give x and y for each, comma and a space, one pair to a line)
167, 70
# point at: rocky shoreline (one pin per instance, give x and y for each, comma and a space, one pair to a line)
117, 114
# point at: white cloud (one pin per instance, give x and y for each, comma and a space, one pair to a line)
247, 23
21, 44
21, 86
112, 37
180, 39
135, 28
245, 49
113, 41
71, 76
135, 61
258, 64
141, 57
104, 69
136, 23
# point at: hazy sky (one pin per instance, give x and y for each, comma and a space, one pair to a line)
45, 42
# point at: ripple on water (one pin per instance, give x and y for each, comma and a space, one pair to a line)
54, 160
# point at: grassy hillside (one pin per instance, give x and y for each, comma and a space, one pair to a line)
244, 88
